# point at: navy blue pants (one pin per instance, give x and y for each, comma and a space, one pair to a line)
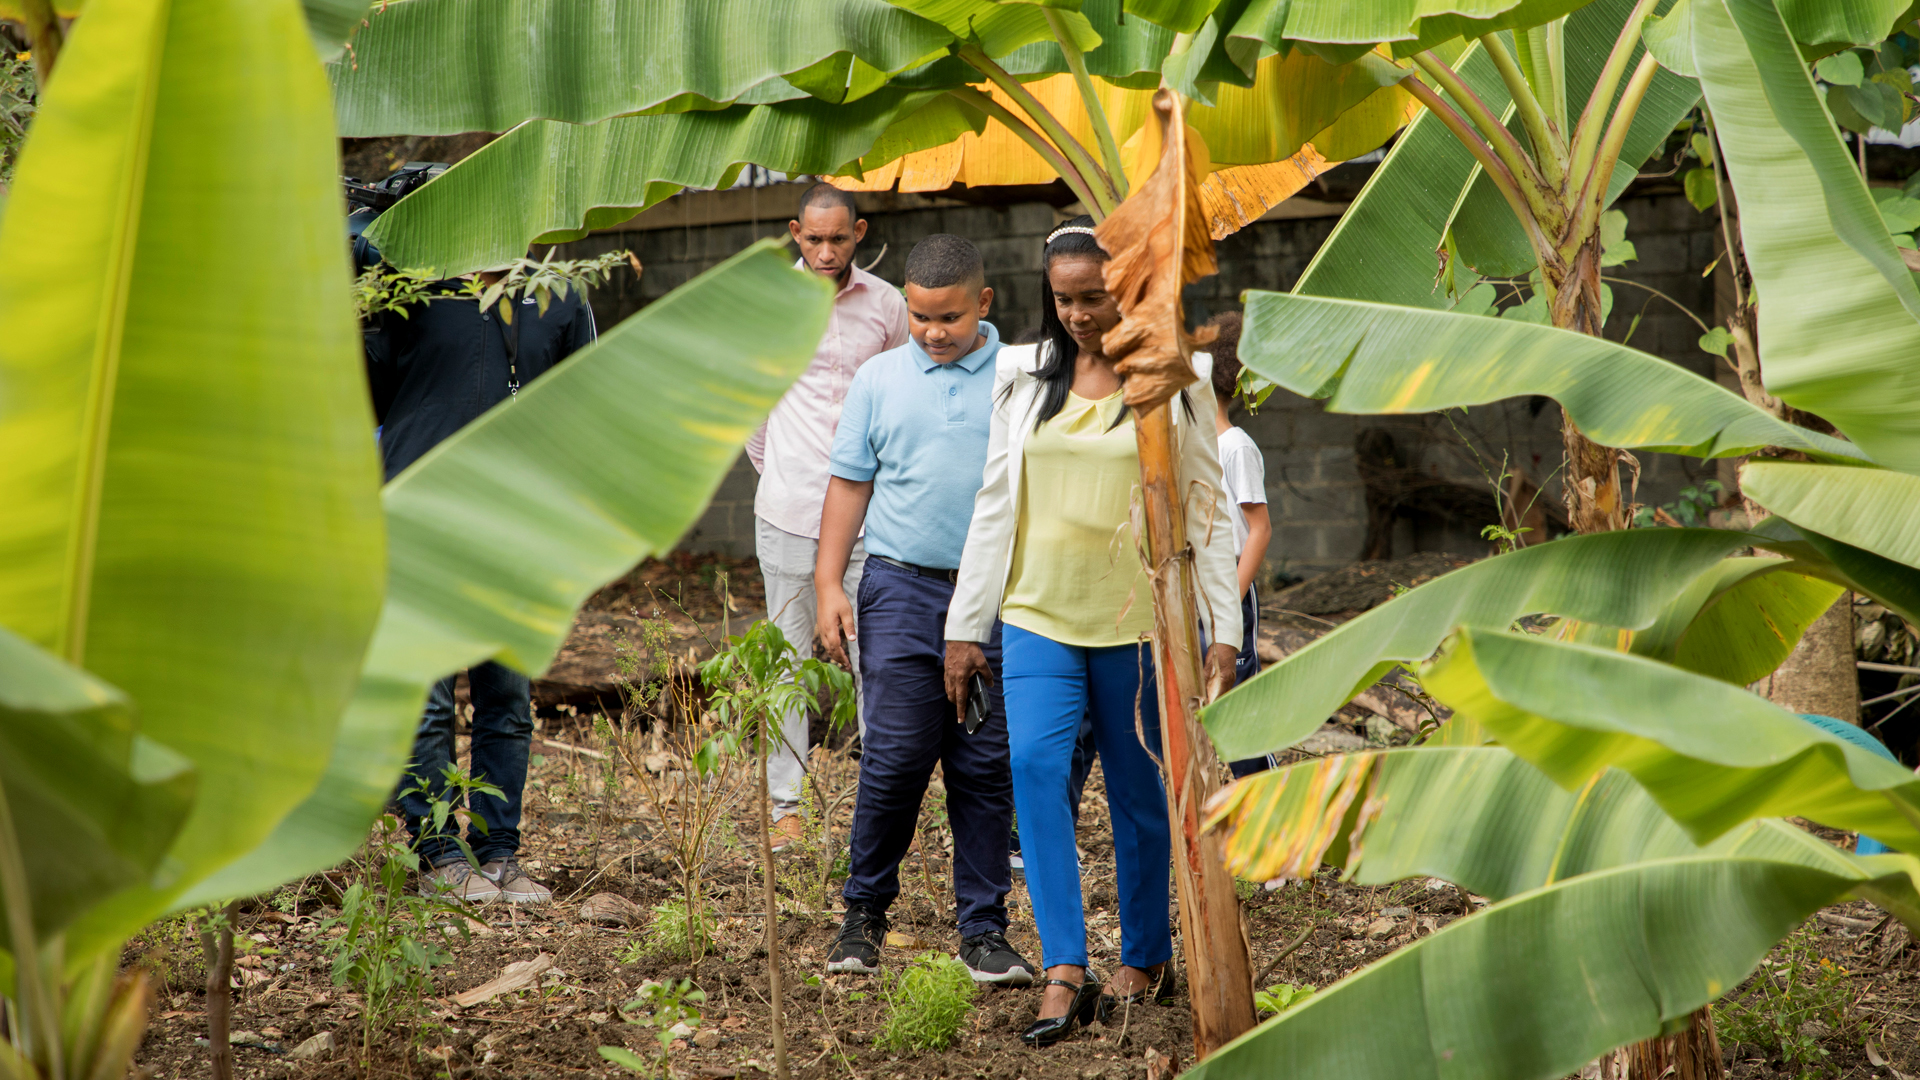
1246, 666
902, 618
502, 736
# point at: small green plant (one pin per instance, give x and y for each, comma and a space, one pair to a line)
1279, 997
1797, 998
927, 1005
1689, 510
755, 682
385, 288
674, 931
662, 1007
392, 938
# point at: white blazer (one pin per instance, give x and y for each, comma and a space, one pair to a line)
988, 557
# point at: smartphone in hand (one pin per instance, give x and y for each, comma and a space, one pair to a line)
977, 702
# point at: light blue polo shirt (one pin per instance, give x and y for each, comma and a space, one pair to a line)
918, 430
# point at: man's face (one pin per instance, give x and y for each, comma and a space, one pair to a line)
946, 322
827, 236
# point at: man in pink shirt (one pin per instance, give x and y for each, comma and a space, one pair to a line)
790, 452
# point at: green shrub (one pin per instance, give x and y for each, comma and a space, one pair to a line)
1797, 998
927, 1005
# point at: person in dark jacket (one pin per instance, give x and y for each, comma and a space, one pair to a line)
432, 372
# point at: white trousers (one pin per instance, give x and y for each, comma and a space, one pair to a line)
786, 566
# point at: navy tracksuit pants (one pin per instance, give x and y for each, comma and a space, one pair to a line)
902, 619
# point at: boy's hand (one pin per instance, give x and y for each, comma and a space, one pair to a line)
835, 618
963, 659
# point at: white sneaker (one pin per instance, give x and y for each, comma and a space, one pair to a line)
512, 883
458, 881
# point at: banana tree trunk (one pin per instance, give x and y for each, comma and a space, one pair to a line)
1219, 968
1595, 502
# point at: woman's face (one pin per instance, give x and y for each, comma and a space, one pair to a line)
1080, 297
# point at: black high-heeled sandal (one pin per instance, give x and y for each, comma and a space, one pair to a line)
1160, 992
1085, 1006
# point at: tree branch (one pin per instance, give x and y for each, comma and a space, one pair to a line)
1586, 134
1094, 177
1527, 179
1496, 171
1594, 196
1549, 150
994, 110
1089, 96
44, 37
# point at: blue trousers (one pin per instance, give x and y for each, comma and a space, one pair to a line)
1050, 687
502, 736
1246, 666
902, 617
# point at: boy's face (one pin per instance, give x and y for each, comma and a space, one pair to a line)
946, 322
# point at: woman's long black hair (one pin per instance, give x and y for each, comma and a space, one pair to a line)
1059, 350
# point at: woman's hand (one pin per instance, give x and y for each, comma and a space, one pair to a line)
963, 659
1220, 667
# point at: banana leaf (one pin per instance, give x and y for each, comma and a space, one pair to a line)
1619, 579
1739, 621
1894, 584
1711, 754
93, 804
1381, 358
1535, 986
1837, 305
499, 533
191, 488
441, 67
555, 181
1872, 509
1485, 820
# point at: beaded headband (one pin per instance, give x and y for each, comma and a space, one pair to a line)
1065, 229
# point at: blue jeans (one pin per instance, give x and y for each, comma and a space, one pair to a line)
911, 725
1050, 687
502, 736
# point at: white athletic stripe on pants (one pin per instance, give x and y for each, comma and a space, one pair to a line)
786, 567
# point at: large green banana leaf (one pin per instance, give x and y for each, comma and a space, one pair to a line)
94, 804
1711, 754
1837, 305
440, 67
1738, 621
191, 488
1536, 986
1872, 509
1894, 584
1383, 358
499, 533
1619, 579
554, 181
1483, 819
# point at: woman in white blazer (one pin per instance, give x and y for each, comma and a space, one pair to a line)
1050, 553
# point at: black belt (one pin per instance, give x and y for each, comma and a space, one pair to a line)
919, 571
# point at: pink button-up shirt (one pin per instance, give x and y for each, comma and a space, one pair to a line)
790, 450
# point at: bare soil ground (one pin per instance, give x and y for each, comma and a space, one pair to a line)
584, 836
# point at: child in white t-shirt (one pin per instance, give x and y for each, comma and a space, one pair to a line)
1245, 474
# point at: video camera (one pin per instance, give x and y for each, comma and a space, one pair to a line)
367, 201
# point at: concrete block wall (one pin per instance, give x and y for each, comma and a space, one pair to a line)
1314, 491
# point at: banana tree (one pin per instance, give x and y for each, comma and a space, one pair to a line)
1658, 629
203, 692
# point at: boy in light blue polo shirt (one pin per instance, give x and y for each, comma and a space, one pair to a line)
907, 460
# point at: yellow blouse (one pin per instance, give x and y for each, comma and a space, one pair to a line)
1075, 575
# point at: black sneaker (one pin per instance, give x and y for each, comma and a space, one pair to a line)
990, 959
857, 950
